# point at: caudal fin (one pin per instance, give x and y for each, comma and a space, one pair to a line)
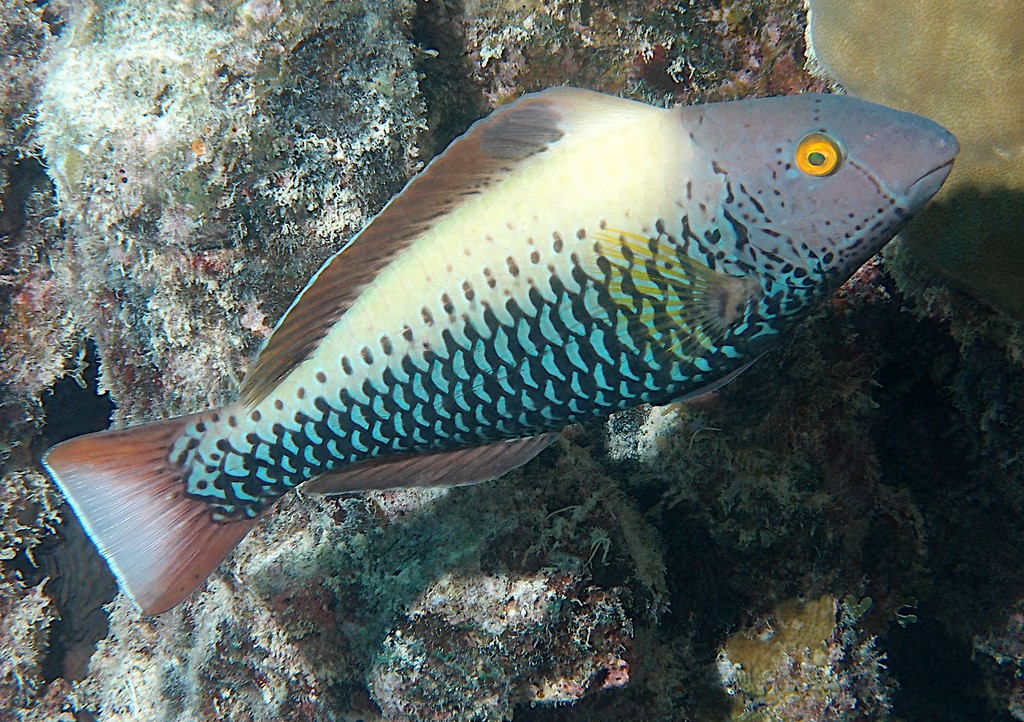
159, 543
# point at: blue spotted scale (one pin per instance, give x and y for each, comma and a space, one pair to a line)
571, 255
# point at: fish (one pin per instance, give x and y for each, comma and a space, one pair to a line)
571, 255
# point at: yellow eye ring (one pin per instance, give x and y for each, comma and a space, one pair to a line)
819, 155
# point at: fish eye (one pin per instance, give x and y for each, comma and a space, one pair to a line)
819, 155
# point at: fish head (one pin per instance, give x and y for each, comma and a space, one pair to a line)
811, 186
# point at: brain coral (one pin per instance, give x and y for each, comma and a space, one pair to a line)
962, 64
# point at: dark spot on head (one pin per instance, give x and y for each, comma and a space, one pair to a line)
200, 426
232, 421
255, 415
365, 354
202, 484
489, 277
278, 404
513, 267
581, 233
467, 290
222, 445
346, 365
407, 333
385, 345
300, 392
428, 317
321, 377
535, 257
446, 303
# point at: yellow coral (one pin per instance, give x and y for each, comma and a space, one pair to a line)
797, 631
961, 63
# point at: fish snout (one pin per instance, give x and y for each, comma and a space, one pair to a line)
926, 186
932, 159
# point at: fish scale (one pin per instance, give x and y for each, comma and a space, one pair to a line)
543, 331
571, 255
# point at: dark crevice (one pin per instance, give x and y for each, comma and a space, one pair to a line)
938, 682
80, 582
74, 406
54, 16
452, 97
26, 175
929, 442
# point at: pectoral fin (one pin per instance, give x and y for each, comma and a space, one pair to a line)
684, 307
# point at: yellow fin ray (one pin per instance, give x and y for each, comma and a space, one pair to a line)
685, 306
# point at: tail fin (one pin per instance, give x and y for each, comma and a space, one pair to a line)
159, 543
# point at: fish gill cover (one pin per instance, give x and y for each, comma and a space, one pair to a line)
626, 559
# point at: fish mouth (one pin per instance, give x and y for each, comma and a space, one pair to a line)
928, 185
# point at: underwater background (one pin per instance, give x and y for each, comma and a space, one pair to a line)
835, 535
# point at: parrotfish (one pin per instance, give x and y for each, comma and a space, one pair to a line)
572, 255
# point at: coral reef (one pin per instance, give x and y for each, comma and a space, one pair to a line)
171, 175
962, 68
180, 138
36, 336
692, 52
802, 663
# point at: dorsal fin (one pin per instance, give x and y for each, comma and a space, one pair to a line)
490, 151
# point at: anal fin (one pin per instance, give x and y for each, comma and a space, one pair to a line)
700, 393
442, 468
